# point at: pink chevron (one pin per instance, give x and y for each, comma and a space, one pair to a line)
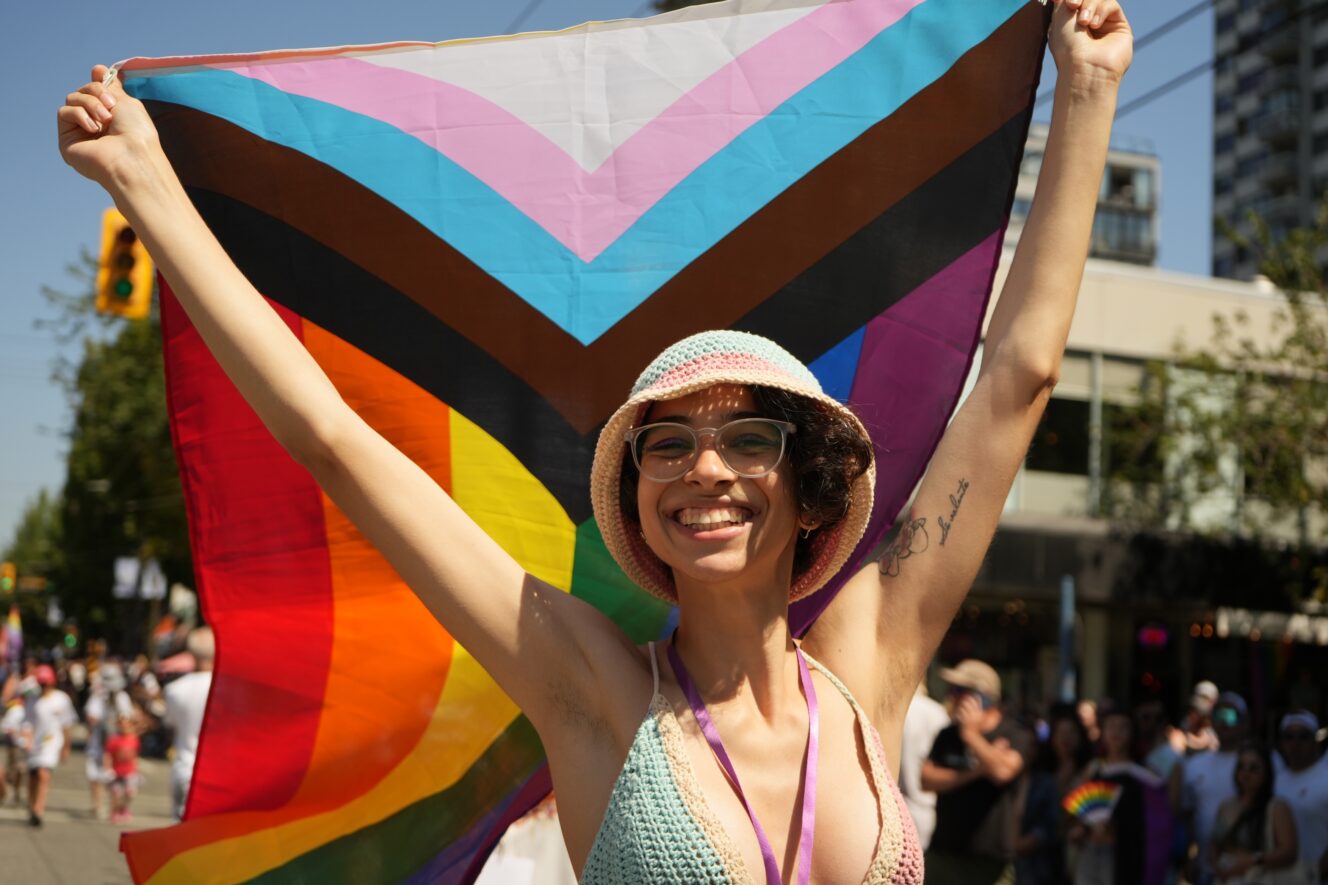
588, 211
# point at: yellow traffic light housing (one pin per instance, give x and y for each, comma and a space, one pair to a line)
8, 577
124, 274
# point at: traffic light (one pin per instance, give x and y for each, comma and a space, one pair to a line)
8, 577
124, 275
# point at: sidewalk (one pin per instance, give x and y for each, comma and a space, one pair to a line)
73, 848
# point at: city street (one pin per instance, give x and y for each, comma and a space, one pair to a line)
73, 846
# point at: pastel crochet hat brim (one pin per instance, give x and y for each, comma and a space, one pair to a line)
696, 363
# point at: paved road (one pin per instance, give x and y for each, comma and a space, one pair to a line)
72, 846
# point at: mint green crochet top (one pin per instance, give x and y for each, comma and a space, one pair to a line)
658, 828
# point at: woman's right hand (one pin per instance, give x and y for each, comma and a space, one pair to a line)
103, 129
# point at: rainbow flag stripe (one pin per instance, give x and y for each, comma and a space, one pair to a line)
483, 242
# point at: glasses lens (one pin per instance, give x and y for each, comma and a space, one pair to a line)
752, 446
663, 451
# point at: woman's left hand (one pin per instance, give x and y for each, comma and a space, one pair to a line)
1090, 40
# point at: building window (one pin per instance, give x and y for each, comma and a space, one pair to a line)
1225, 144
1021, 208
1130, 443
1222, 186
1320, 143
1061, 442
1249, 166
1225, 103
1226, 22
1250, 81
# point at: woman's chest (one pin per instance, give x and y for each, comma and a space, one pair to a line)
847, 820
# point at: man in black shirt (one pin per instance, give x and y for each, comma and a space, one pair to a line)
975, 769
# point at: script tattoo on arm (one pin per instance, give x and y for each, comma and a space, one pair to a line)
955, 500
911, 540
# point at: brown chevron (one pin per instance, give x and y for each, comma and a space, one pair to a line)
985, 89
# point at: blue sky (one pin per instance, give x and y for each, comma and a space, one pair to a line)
49, 212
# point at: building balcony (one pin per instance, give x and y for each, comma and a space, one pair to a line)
1280, 43
1279, 128
1285, 76
1281, 170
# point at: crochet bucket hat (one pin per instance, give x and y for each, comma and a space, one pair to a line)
695, 363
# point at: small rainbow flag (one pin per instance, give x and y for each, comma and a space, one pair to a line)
482, 243
11, 642
1092, 802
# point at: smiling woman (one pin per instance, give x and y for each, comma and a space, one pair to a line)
754, 493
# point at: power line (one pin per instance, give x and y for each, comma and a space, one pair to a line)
1172, 84
524, 14
1181, 79
1160, 31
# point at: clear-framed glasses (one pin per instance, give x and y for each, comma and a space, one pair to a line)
751, 447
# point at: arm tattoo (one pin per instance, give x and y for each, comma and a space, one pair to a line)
955, 500
911, 540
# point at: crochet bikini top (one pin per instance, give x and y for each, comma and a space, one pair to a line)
658, 828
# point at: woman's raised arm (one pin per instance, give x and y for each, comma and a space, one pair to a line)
520, 629
898, 610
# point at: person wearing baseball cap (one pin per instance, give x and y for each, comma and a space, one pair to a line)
974, 767
49, 721
1303, 785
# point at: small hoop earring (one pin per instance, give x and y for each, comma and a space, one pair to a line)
806, 533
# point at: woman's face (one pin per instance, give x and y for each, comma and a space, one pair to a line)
1116, 735
1250, 772
712, 525
1065, 739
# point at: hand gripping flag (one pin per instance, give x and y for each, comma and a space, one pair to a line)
483, 242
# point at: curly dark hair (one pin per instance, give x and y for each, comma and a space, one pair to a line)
827, 454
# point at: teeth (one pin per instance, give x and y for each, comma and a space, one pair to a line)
711, 517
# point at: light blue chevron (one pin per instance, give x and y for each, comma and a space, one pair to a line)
587, 298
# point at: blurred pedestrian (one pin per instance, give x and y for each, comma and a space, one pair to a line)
122, 759
1088, 716
1209, 778
1131, 845
47, 735
107, 703
974, 769
923, 721
1057, 767
186, 700
1196, 733
15, 757
1302, 784
1254, 834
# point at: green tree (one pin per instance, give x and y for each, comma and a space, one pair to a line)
36, 550
122, 493
1238, 429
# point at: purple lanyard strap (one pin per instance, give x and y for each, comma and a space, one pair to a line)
772, 873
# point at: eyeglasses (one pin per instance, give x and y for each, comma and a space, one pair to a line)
750, 447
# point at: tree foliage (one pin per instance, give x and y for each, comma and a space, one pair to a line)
122, 494
1233, 436
36, 550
